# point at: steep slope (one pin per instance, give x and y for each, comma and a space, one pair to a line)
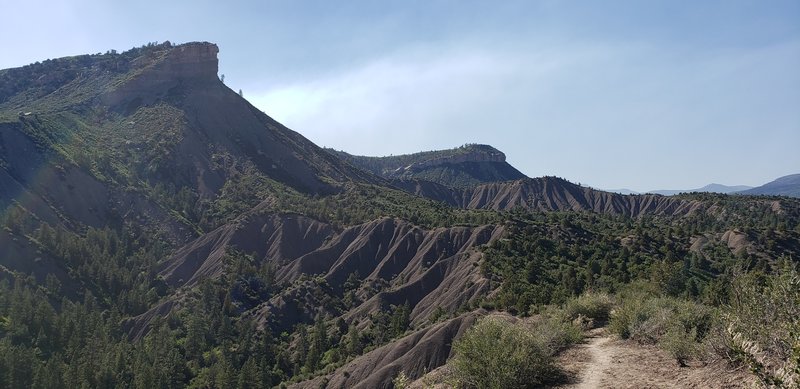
550, 193
166, 98
464, 166
414, 355
396, 262
783, 186
148, 138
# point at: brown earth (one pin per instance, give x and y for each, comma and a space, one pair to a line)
606, 362
736, 241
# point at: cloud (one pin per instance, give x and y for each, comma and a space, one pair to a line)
428, 97
593, 112
382, 104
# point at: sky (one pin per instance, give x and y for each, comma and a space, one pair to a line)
614, 94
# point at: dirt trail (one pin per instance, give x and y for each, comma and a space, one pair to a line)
606, 362
601, 361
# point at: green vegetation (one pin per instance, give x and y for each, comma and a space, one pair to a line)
758, 328
435, 166
591, 309
564, 254
583, 262
693, 304
762, 326
383, 165
36, 86
496, 353
676, 325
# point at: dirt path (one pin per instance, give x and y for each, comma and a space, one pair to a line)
601, 361
605, 362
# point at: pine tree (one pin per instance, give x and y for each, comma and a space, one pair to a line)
353, 345
318, 345
301, 352
226, 374
400, 320
249, 376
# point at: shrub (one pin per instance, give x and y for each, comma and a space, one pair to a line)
762, 327
594, 306
401, 381
627, 316
556, 331
652, 321
497, 354
682, 347
677, 326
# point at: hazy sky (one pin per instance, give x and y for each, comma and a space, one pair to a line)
637, 94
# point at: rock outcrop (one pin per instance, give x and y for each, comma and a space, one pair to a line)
159, 72
191, 60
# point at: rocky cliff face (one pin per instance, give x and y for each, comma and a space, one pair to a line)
191, 60
161, 72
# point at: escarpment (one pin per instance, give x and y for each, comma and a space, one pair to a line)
461, 167
158, 74
474, 153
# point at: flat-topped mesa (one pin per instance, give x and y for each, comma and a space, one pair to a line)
471, 153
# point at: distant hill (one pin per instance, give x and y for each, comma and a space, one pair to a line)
784, 186
623, 191
712, 188
460, 167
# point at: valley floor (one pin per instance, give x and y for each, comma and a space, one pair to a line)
603, 361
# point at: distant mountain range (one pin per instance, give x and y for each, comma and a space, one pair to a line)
623, 191
783, 186
713, 188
